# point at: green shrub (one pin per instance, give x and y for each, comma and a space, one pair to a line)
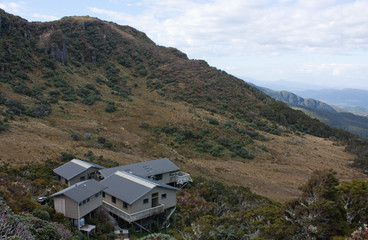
110, 107
39, 110
15, 107
60, 83
107, 144
101, 139
66, 156
22, 88
41, 214
3, 126
89, 94
99, 80
229, 124
168, 129
185, 135
48, 62
144, 125
74, 137
213, 121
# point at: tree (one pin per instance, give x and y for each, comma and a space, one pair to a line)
354, 198
318, 213
10, 227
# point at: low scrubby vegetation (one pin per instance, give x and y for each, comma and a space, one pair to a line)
326, 209
205, 209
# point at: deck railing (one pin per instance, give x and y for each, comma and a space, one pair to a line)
180, 178
132, 217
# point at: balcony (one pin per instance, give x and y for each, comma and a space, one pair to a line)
180, 178
132, 217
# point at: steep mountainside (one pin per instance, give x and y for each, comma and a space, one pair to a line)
347, 121
106, 93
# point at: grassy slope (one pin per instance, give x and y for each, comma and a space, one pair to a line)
176, 91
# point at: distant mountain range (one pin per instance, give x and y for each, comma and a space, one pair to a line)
351, 100
294, 100
343, 100
333, 116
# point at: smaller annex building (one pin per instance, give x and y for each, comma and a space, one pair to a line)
76, 171
133, 198
79, 199
161, 170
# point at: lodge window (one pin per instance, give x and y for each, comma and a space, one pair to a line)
158, 177
103, 194
82, 178
163, 196
113, 199
59, 178
145, 201
96, 195
87, 199
155, 195
66, 181
125, 205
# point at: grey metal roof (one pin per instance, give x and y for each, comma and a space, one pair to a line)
74, 167
82, 190
144, 169
129, 187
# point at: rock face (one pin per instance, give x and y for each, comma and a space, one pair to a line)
60, 53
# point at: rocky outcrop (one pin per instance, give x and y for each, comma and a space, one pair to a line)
60, 53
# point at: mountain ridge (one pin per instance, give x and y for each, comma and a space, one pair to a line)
350, 122
295, 100
94, 89
348, 97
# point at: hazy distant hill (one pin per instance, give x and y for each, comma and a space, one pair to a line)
295, 100
322, 111
344, 97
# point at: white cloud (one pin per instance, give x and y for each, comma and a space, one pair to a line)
45, 17
253, 26
12, 7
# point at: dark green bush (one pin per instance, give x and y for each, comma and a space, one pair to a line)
3, 126
213, 121
110, 107
39, 110
22, 88
48, 62
101, 139
15, 107
107, 144
168, 129
41, 214
74, 137
144, 125
65, 156
60, 83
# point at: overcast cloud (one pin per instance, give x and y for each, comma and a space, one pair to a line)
314, 41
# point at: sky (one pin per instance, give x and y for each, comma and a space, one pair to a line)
296, 43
